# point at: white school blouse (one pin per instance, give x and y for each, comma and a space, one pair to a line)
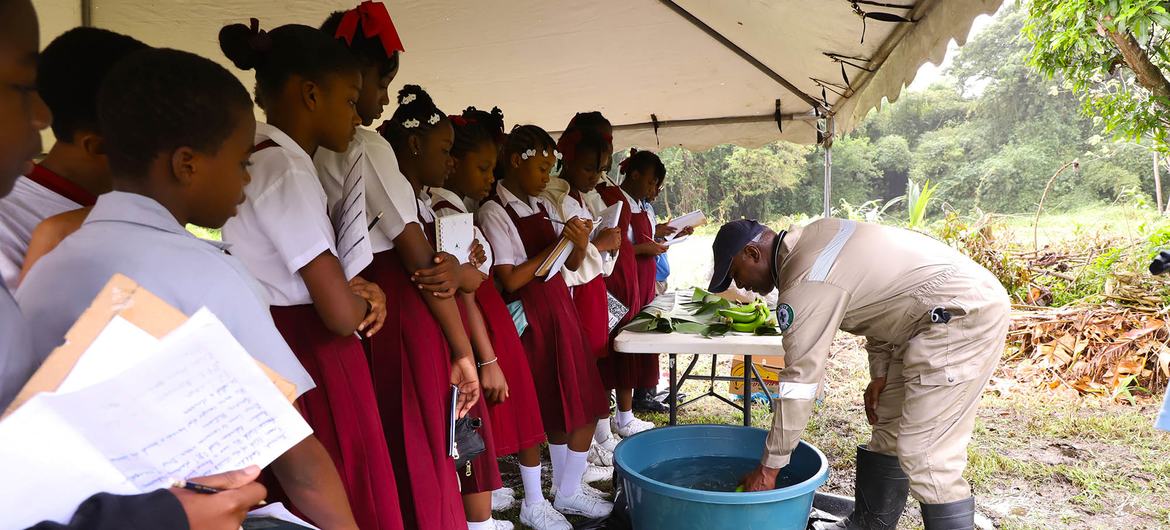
386, 189
507, 248
460, 205
284, 222
595, 262
136, 236
20, 212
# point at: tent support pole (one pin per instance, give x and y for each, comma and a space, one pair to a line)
87, 13
830, 135
813, 102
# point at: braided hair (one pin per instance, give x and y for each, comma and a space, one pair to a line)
643, 162
521, 139
474, 128
416, 114
287, 51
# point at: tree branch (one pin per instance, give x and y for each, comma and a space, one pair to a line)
1148, 74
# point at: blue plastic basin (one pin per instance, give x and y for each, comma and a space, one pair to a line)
656, 505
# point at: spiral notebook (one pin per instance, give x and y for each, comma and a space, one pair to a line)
454, 234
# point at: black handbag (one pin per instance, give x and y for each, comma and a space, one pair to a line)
468, 443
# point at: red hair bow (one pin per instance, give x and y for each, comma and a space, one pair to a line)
375, 21
567, 145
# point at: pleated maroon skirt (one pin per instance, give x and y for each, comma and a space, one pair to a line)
409, 362
482, 474
516, 422
592, 305
343, 413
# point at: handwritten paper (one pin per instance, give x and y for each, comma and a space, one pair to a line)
197, 406
275, 511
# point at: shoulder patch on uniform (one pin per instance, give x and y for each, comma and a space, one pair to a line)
784, 316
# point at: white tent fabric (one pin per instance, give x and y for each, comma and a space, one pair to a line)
637, 61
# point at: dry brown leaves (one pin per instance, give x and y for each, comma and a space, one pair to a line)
1108, 350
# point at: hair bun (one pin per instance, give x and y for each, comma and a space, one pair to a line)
245, 46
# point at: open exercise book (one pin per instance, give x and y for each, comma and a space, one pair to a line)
552, 264
118, 410
688, 220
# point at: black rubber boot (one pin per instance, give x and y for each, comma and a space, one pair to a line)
958, 515
880, 493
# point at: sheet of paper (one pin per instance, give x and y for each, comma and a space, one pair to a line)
672, 241
454, 234
278, 511
120, 346
198, 406
348, 217
617, 310
49, 468
695, 218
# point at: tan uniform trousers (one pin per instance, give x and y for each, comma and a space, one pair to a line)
928, 427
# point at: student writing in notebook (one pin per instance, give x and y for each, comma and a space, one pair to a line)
518, 223
75, 170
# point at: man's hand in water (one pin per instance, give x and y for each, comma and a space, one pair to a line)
762, 478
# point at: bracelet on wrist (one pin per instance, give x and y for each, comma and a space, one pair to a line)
485, 363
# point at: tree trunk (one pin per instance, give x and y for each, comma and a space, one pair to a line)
1148, 74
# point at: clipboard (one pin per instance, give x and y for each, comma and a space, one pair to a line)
125, 298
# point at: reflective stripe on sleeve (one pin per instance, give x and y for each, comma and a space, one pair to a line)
828, 256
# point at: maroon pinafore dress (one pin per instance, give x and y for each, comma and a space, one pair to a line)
410, 364
564, 372
343, 412
592, 306
514, 423
625, 370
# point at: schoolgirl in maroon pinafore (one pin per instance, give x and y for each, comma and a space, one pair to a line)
563, 369
411, 359
285, 192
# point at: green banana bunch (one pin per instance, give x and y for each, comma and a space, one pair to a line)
746, 318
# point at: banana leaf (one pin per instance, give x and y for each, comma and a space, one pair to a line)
696, 314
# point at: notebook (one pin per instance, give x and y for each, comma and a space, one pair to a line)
555, 260
350, 228
454, 234
609, 218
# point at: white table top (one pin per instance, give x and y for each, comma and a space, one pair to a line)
731, 343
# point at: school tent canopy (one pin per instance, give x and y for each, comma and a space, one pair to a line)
693, 73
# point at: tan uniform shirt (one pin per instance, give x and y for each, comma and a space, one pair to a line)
871, 280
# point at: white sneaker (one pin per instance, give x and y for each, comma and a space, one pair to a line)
592, 491
582, 504
503, 499
504, 525
600, 456
635, 426
610, 444
596, 473
543, 517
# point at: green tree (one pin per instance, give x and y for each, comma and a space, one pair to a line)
1113, 53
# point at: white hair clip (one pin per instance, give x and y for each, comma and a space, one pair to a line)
557, 154
410, 124
434, 119
528, 154
407, 99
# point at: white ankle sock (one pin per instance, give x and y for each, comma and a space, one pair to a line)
624, 417
489, 524
602, 432
531, 478
575, 464
556, 453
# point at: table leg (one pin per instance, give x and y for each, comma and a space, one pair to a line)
747, 390
673, 399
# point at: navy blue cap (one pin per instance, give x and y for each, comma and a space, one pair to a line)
730, 240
